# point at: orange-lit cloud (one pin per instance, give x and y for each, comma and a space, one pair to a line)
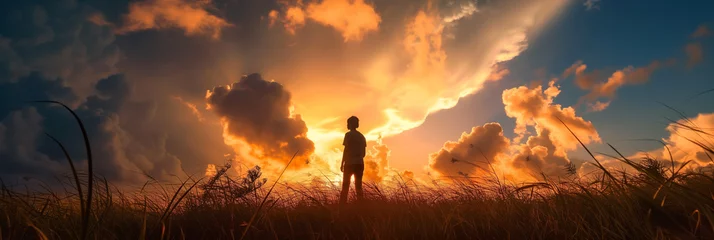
294, 19
545, 151
600, 88
352, 18
535, 107
98, 18
272, 17
192, 107
686, 142
695, 54
189, 15
377, 162
701, 31
464, 9
685, 137
256, 117
472, 152
485, 149
498, 74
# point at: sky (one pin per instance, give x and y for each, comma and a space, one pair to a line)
174, 88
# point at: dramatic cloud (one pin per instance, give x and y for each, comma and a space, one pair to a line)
545, 152
257, 112
414, 61
416, 64
352, 18
19, 133
192, 16
472, 152
56, 42
695, 54
129, 139
535, 107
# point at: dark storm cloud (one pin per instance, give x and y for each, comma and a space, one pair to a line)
55, 39
129, 139
50, 51
258, 111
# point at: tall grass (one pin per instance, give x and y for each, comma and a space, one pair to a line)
658, 199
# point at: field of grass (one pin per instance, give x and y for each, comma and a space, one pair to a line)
656, 201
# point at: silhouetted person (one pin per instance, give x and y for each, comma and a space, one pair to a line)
352, 159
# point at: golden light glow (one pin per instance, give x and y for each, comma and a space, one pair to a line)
410, 75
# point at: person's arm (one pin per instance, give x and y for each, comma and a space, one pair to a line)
342, 164
363, 147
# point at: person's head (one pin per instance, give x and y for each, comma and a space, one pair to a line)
352, 123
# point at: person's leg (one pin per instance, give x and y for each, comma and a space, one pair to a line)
359, 171
346, 175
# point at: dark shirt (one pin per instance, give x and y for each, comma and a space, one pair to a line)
355, 146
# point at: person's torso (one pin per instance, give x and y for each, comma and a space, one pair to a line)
355, 146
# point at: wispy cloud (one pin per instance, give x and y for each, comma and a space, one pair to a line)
592, 4
601, 88
192, 17
352, 18
695, 54
701, 31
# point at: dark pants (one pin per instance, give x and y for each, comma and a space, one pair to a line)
351, 169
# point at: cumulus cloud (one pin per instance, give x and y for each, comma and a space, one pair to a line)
543, 153
376, 162
688, 139
257, 112
472, 152
352, 18
535, 107
55, 42
129, 139
540, 155
695, 54
19, 133
192, 16
684, 138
